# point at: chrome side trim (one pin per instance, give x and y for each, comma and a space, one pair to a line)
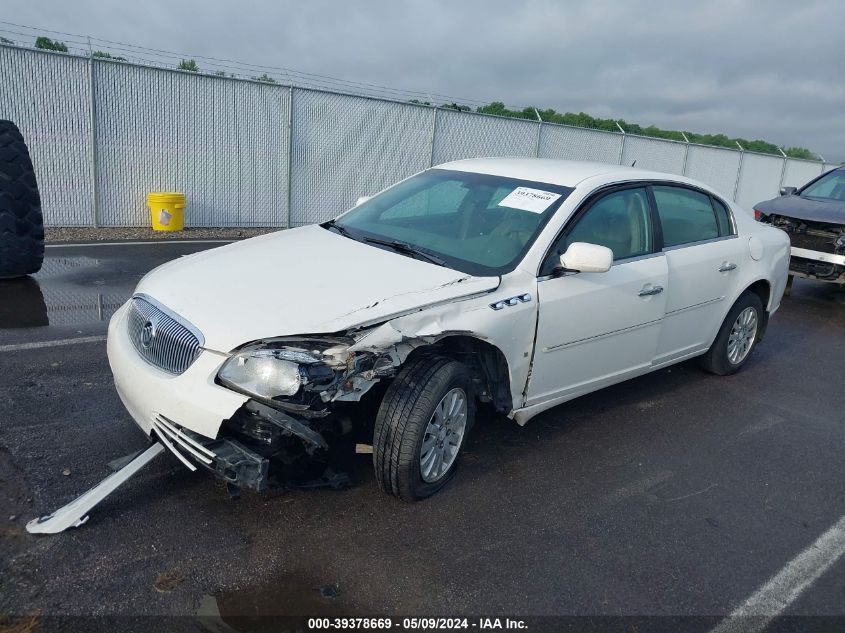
694, 306
170, 424
559, 346
162, 436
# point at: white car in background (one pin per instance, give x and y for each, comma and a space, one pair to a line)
522, 283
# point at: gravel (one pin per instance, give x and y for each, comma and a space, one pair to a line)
112, 234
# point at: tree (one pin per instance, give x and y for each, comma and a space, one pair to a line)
266, 79
108, 56
4, 40
189, 65
47, 44
582, 119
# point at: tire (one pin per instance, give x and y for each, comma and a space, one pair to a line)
21, 223
718, 358
402, 422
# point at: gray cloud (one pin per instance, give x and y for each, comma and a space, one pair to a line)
755, 68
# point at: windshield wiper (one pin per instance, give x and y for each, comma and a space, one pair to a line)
408, 249
332, 224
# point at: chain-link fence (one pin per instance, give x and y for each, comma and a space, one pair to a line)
103, 133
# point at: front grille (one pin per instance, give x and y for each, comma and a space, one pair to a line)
161, 338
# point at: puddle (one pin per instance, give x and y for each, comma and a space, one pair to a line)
283, 604
66, 291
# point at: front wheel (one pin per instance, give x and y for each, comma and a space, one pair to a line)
421, 427
737, 337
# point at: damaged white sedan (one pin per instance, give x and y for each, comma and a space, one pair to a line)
520, 283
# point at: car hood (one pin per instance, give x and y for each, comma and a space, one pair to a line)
829, 211
307, 280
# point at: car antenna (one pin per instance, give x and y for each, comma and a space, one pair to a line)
634, 163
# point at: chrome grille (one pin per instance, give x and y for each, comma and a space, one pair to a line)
161, 338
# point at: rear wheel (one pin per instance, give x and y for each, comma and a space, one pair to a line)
421, 427
737, 337
21, 224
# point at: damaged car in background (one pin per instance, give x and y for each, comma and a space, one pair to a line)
814, 218
516, 284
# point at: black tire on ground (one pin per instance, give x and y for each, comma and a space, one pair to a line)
21, 224
408, 405
717, 360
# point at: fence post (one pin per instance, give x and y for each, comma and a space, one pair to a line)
782, 169
290, 154
738, 169
539, 131
92, 155
431, 144
824, 162
622, 144
686, 154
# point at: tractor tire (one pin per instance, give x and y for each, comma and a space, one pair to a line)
21, 222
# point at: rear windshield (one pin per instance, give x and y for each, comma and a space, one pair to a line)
475, 223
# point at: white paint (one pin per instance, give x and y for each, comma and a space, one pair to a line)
587, 258
315, 281
774, 597
307, 279
16, 347
127, 243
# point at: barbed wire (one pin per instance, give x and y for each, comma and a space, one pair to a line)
88, 45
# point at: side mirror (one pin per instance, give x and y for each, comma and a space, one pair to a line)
362, 200
586, 258
788, 191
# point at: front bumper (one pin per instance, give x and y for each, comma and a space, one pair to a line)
817, 265
192, 399
185, 412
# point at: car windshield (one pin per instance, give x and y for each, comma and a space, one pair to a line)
476, 223
829, 187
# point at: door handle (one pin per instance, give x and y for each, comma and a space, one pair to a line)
654, 290
727, 267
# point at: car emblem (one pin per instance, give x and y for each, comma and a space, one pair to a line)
148, 333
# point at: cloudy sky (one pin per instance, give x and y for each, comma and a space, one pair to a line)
766, 69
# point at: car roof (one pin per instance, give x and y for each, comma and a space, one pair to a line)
567, 173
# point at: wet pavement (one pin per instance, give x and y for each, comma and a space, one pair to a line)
678, 493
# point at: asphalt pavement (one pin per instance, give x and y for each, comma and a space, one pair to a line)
675, 494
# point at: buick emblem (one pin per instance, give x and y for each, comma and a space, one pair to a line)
148, 332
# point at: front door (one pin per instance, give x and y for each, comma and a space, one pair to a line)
595, 329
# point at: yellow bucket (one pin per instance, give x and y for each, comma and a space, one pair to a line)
167, 209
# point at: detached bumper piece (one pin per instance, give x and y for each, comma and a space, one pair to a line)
228, 459
76, 512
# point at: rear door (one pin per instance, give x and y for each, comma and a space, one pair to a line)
704, 255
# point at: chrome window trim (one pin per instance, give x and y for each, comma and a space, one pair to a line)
666, 249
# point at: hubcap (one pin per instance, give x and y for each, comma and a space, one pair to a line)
742, 336
443, 435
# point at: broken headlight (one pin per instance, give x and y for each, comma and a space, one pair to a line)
280, 367
262, 373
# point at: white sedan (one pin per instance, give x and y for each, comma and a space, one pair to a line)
522, 283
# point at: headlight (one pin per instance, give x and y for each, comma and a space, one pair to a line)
264, 373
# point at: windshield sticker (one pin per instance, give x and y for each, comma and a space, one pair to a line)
527, 199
